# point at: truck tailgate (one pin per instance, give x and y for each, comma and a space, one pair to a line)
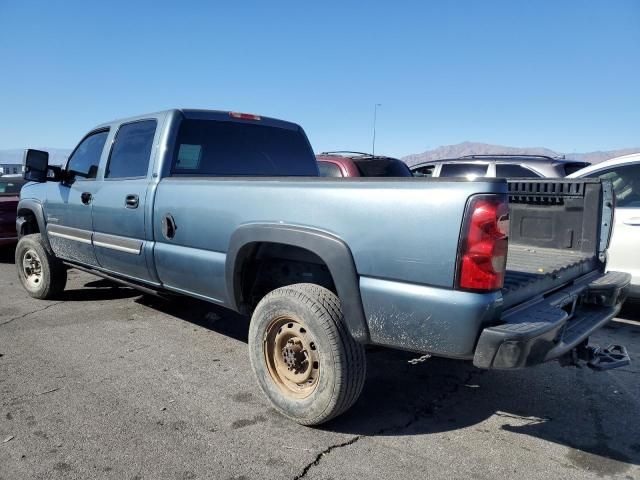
555, 235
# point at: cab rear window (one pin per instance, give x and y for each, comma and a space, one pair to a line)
219, 148
382, 167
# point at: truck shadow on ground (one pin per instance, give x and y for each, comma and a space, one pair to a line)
590, 413
577, 408
98, 290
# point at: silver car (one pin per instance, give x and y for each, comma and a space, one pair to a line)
502, 166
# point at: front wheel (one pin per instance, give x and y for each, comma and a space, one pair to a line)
42, 275
305, 360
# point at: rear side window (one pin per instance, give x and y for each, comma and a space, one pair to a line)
513, 171
328, 169
469, 170
218, 148
626, 184
85, 158
382, 167
424, 171
131, 150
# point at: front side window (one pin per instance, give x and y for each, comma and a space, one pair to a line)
469, 170
626, 183
131, 150
505, 170
219, 148
85, 159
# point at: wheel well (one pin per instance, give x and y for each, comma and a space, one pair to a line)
264, 266
31, 222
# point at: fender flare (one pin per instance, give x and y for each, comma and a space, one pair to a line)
331, 249
35, 207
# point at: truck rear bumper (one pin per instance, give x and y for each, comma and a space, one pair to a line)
548, 328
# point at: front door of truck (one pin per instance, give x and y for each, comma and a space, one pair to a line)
121, 214
68, 205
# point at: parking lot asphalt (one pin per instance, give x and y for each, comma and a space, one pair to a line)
108, 383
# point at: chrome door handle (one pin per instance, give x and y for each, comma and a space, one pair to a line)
634, 221
131, 201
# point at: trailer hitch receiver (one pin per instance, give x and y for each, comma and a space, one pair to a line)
597, 358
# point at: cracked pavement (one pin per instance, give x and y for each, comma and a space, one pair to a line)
112, 384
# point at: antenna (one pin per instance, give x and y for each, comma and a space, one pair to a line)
375, 112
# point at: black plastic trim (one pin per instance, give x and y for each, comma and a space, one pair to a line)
332, 250
34, 207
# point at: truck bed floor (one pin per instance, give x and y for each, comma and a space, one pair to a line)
539, 268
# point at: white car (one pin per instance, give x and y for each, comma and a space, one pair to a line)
624, 250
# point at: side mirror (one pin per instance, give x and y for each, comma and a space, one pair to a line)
36, 165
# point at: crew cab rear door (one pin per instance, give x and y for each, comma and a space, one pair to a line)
121, 235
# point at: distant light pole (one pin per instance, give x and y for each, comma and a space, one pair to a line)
375, 114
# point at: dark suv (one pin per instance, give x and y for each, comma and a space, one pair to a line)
501, 166
10, 186
357, 164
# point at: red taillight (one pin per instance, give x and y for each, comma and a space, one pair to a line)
483, 252
244, 116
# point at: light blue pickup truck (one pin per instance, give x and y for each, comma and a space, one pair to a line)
228, 207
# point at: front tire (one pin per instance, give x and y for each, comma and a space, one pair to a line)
42, 275
305, 360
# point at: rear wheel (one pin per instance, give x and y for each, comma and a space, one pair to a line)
305, 360
42, 275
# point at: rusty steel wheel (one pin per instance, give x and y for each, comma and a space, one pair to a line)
42, 275
292, 357
306, 362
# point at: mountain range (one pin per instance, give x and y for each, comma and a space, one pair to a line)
476, 148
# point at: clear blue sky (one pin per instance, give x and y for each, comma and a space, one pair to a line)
560, 74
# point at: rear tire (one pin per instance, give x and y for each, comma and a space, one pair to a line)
42, 275
305, 360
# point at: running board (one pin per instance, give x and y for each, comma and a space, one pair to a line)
121, 281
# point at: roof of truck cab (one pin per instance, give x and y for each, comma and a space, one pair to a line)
201, 114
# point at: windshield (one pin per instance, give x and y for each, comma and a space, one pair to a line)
10, 186
573, 167
382, 167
